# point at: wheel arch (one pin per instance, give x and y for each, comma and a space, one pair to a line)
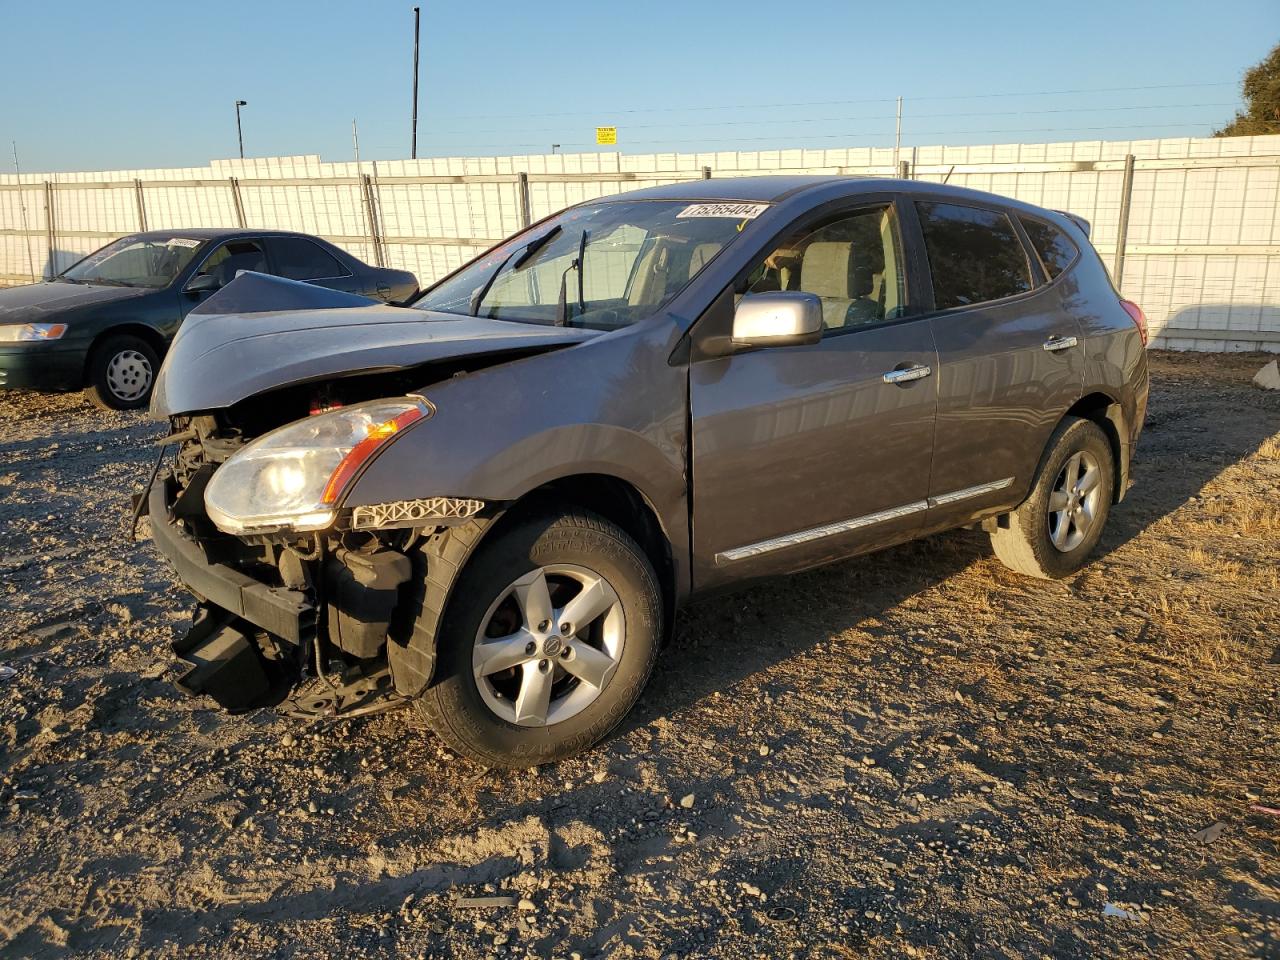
448, 552
150, 335
1106, 411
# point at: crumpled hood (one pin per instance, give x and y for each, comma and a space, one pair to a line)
47, 302
218, 359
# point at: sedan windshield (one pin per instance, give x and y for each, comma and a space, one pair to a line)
603, 265
135, 262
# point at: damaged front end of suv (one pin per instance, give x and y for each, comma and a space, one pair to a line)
304, 602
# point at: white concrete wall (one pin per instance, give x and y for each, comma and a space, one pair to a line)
1202, 257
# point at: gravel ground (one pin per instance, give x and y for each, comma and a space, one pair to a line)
916, 753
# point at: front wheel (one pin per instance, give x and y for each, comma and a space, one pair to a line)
1052, 532
122, 371
548, 640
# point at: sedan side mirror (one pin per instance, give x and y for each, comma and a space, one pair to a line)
780, 319
202, 283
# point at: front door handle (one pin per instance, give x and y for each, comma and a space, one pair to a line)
916, 372
1054, 344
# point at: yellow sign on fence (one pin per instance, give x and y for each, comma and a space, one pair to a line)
606, 136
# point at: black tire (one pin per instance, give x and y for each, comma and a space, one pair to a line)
1027, 544
454, 706
122, 373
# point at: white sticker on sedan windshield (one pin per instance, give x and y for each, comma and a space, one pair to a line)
182, 242
734, 211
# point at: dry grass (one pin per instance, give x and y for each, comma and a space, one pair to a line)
1189, 630
1270, 449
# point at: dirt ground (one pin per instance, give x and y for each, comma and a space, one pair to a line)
916, 753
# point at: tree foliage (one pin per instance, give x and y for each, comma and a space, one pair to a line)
1261, 89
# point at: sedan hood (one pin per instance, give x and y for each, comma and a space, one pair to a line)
218, 359
44, 302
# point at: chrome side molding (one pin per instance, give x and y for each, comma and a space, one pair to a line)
967, 492
857, 523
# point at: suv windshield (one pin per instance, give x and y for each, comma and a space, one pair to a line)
602, 265
135, 262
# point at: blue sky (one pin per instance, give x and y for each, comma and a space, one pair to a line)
137, 83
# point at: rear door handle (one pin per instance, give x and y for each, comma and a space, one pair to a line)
917, 372
1054, 344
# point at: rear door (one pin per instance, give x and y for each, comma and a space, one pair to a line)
803, 454
1010, 361
298, 258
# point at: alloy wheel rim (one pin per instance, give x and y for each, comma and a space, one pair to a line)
128, 375
548, 645
1074, 501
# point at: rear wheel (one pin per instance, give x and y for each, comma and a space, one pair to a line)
122, 371
550, 636
1052, 532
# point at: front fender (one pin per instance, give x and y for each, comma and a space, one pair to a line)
611, 405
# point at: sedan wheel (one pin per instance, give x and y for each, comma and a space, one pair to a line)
122, 371
128, 376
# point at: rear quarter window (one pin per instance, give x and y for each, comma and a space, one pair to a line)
975, 255
1054, 248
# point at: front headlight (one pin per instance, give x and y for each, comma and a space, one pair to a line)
18, 332
293, 477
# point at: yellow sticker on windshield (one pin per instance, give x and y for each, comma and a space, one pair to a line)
735, 211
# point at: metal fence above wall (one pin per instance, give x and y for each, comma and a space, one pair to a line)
1189, 228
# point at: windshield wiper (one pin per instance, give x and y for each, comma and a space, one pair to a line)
102, 281
521, 257
561, 318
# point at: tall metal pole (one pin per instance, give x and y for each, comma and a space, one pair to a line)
355, 140
22, 208
897, 136
413, 148
239, 132
1122, 228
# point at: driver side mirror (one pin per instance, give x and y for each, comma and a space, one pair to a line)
777, 319
203, 283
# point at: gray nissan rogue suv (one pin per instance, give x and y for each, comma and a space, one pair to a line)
490, 504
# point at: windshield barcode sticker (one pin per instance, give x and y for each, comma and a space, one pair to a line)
182, 242
736, 211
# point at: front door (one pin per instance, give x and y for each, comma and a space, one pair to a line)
804, 454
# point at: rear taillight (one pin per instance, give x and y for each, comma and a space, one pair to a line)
1137, 316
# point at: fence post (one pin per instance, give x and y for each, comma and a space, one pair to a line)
142, 205
904, 170
706, 173
1122, 229
371, 218
50, 230
522, 200
237, 202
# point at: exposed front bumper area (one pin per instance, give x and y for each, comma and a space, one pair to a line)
313, 652
228, 664
288, 614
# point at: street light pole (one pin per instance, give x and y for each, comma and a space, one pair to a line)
413, 148
239, 132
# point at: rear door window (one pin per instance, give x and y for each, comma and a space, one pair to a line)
300, 259
1055, 249
975, 255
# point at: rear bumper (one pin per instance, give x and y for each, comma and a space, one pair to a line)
40, 366
287, 614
